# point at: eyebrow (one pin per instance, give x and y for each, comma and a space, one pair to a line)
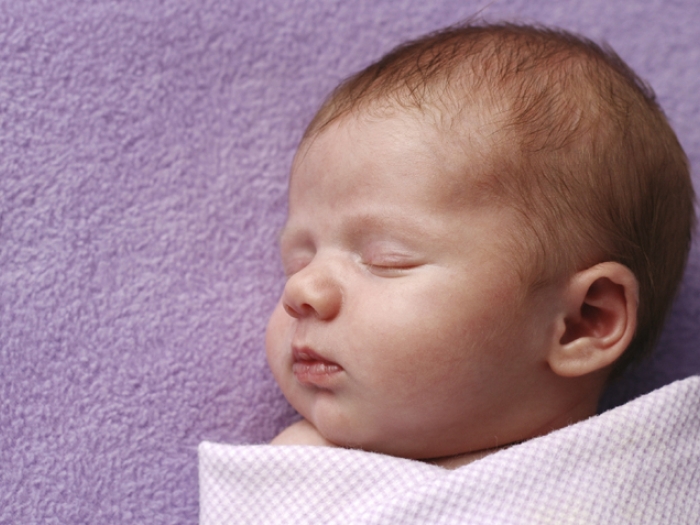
405, 226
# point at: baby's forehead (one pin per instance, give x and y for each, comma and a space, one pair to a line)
454, 157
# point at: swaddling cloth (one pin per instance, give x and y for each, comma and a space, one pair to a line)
637, 464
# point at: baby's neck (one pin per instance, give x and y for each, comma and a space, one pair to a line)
453, 462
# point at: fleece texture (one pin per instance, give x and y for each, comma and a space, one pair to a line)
144, 149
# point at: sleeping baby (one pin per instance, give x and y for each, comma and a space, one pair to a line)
485, 226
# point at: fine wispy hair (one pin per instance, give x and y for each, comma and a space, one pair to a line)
578, 145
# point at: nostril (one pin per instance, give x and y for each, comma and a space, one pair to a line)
290, 311
297, 311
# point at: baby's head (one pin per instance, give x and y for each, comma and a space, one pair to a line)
483, 226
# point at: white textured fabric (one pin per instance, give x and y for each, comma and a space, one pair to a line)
636, 464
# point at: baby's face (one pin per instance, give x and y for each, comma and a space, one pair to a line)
404, 326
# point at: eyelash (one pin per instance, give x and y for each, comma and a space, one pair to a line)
383, 268
397, 268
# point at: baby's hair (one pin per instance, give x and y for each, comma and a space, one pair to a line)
581, 149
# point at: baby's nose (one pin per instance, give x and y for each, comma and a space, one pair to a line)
312, 292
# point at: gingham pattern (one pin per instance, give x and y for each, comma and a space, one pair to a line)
637, 464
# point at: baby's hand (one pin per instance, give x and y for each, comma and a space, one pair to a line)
301, 433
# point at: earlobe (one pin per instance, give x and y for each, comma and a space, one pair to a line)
597, 321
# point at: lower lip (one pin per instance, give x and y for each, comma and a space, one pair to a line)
311, 372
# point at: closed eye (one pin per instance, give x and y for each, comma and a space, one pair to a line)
393, 269
296, 250
294, 261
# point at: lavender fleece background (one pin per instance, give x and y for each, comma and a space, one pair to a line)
144, 147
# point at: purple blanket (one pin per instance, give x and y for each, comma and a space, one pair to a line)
144, 147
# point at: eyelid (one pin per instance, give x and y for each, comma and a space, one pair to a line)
391, 263
296, 249
295, 259
292, 267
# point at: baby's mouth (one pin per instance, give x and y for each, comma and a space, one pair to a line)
311, 369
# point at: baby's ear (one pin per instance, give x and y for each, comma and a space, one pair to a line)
597, 321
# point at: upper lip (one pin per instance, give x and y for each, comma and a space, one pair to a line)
304, 353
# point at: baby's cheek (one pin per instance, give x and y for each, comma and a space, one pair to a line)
278, 351
275, 338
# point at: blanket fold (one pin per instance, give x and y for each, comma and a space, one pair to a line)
638, 463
